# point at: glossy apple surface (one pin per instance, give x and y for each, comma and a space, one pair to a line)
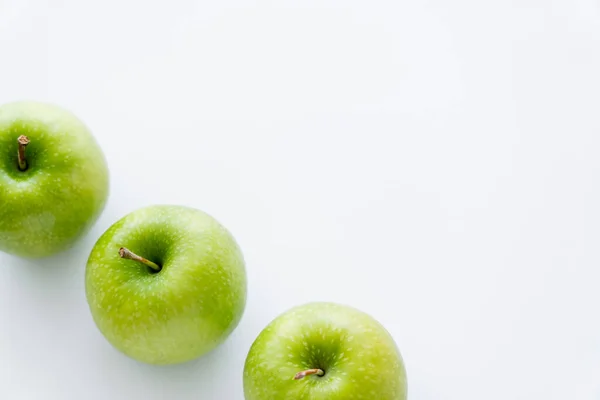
46, 207
184, 310
324, 351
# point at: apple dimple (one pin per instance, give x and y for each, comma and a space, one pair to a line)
318, 350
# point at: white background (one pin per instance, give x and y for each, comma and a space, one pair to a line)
433, 163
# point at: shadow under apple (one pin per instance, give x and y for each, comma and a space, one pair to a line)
182, 381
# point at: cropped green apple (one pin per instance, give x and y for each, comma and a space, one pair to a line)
53, 179
166, 284
324, 351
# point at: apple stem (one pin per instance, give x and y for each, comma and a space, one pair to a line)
303, 374
23, 142
129, 255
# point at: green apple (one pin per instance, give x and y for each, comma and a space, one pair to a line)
53, 179
166, 284
324, 351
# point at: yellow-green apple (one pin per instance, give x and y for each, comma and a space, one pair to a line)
54, 181
166, 284
324, 351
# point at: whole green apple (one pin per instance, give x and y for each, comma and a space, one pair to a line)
53, 179
166, 284
324, 351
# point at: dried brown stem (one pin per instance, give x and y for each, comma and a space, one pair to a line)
128, 254
303, 374
23, 142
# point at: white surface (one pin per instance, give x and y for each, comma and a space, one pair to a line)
434, 163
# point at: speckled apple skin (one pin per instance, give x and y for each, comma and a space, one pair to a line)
45, 209
181, 312
359, 357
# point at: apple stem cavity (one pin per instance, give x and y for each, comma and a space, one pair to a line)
129, 255
23, 142
308, 372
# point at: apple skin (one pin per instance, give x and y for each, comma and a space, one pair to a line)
46, 208
181, 312
359, 358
